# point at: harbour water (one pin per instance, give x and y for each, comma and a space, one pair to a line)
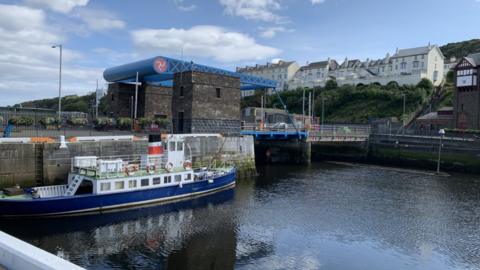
322, 216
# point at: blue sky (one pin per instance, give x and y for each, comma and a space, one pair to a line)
225, 33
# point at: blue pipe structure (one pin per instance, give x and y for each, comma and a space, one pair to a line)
161, 70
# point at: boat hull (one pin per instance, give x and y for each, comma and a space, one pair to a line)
81, 204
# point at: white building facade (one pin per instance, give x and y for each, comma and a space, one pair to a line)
282, 71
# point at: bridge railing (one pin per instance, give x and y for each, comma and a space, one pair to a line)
339, 133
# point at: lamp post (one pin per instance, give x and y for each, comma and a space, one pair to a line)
59, 85
403, 115
441, 132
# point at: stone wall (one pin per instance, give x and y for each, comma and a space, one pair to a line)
152, 100
17, 164
119, 99
155, 101
204, 102
232, 150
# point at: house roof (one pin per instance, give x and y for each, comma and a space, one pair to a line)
280, 64
412, 51
474, 59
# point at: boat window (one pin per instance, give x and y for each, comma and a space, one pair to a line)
178, 178
105, 186
144, 182
167, 179
188, 176
172, 146
165, 145
179, 146
156, 181
119, 185
132, 183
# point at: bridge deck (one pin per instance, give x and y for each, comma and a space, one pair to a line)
275, 135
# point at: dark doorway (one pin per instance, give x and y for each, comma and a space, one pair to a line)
180, 122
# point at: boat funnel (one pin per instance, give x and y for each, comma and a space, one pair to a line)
155, 145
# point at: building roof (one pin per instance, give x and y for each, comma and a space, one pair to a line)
474, 58
412, 51
280, 64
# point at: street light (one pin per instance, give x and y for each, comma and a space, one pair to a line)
441, 132
59, 85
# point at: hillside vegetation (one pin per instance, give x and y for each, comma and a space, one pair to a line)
461, 49
71, 103
352, 104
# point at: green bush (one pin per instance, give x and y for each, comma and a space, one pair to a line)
21, 121
48, 121
124, 123
145, 122
77, 121
1, 121
103, 122
162, 123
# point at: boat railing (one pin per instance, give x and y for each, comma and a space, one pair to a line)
50, 191
130, 165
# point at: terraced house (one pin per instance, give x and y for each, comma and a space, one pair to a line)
406, 66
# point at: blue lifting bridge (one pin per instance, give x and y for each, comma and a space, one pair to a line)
160, 70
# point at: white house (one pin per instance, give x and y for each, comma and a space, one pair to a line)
313, 74
282, 72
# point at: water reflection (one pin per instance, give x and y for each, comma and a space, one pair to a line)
290, 217
176, 236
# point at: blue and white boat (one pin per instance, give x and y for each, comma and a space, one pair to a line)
97, 184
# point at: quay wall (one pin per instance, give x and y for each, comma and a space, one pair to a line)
30, 164
237, 150
458, 155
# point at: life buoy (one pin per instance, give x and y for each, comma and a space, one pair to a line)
169, 167
187, 165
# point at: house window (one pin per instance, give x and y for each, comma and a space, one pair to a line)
113, 97
423, 64
423, 56
167, 179
157, 181
119, 185
144, 182
403, 65
181, 91
172, 146
396, 67
179, 146
132, 183
178, 178
415, 64
105, 186
435, 75
219, 92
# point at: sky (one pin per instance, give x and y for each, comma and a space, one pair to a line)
98, 34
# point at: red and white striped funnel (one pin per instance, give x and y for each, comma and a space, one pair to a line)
155, 145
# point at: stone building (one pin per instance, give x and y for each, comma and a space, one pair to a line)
466, 100
153, 101
206, 103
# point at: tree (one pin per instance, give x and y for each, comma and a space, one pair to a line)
450, 77
331, 84
426, 84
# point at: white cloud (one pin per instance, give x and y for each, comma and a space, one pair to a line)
270, 32
100, 20
180, 4
314, 2
28, 64
204, 41
62, 6
257, 10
